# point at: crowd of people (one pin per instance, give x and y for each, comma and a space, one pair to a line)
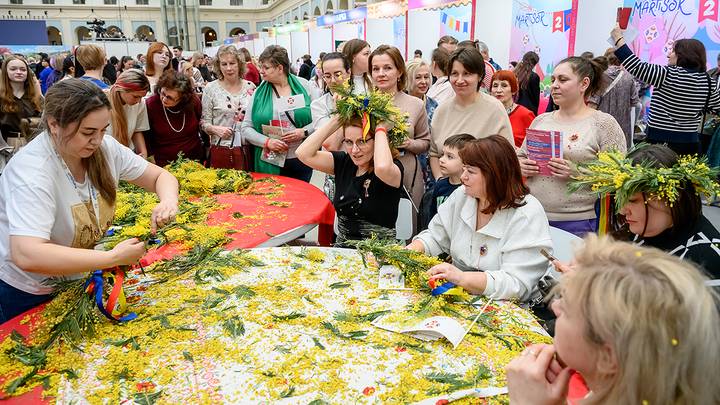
74, 125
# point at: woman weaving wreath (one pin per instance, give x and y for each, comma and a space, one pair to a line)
368, 179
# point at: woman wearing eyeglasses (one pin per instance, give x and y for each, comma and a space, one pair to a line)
368, 181
174, 113
266, 108
225, 101
335, 71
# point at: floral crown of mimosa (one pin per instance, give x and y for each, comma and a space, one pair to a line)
372, 108
614, 173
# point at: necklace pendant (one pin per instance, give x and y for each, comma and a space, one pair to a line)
366, 185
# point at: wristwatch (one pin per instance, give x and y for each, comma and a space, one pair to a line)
306, 133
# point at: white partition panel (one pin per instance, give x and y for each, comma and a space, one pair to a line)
423, 32
268, 41
379, 32
594, 22
493, 24
320, 41
346, 31
300, 45
258, 46
285, 41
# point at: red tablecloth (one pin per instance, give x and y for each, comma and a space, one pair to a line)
259, 222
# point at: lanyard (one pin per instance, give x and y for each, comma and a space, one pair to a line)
91, 190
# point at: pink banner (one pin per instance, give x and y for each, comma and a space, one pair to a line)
435, 4
558, 22
708, 11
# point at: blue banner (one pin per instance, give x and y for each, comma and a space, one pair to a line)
342, 16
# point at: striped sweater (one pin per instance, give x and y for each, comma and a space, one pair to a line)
678, 99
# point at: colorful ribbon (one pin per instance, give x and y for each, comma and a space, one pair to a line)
365, 125
129, 86
445, 288
116, 303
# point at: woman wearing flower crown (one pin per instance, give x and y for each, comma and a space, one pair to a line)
368, 181
657, 197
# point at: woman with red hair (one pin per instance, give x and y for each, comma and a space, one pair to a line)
491, 226
158, 61
504, 88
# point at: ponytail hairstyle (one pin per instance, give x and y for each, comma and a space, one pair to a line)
350, 49
589, 68
69, 102
524, 69
128, 81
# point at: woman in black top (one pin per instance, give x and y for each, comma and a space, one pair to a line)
368, 181
679, 228
20, 101
528, 94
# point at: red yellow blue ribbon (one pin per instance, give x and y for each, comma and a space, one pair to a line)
365, 125
116, 304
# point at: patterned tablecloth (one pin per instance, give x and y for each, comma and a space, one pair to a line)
282, 325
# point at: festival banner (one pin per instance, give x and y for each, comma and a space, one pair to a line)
660, 24
387, 9
456, 21
546, 27
436, 4
355, 14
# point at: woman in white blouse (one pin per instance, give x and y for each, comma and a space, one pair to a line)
492, 227
225, 100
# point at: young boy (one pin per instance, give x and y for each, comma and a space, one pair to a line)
451, 168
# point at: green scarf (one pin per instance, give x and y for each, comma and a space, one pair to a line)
262, 114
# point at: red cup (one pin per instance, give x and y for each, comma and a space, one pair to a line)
623, 16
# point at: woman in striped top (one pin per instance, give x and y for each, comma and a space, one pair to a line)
682, 91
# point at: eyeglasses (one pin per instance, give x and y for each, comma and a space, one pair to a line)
359, 143
166, 97
329, 76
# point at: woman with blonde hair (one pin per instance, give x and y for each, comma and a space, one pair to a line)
638, 325
197, 60
226, 99
20, 102
419, 80
186, 69
158, 61
129, 117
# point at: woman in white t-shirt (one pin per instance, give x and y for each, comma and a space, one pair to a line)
128, 113
57, 198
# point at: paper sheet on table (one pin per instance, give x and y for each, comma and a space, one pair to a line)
428, 329
472, 392
391, 278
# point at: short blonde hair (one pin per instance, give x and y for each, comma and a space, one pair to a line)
412, 67
228, 50
656, 313
90, 57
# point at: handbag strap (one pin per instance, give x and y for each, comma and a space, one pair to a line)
292, 121
232, 141
707, 101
